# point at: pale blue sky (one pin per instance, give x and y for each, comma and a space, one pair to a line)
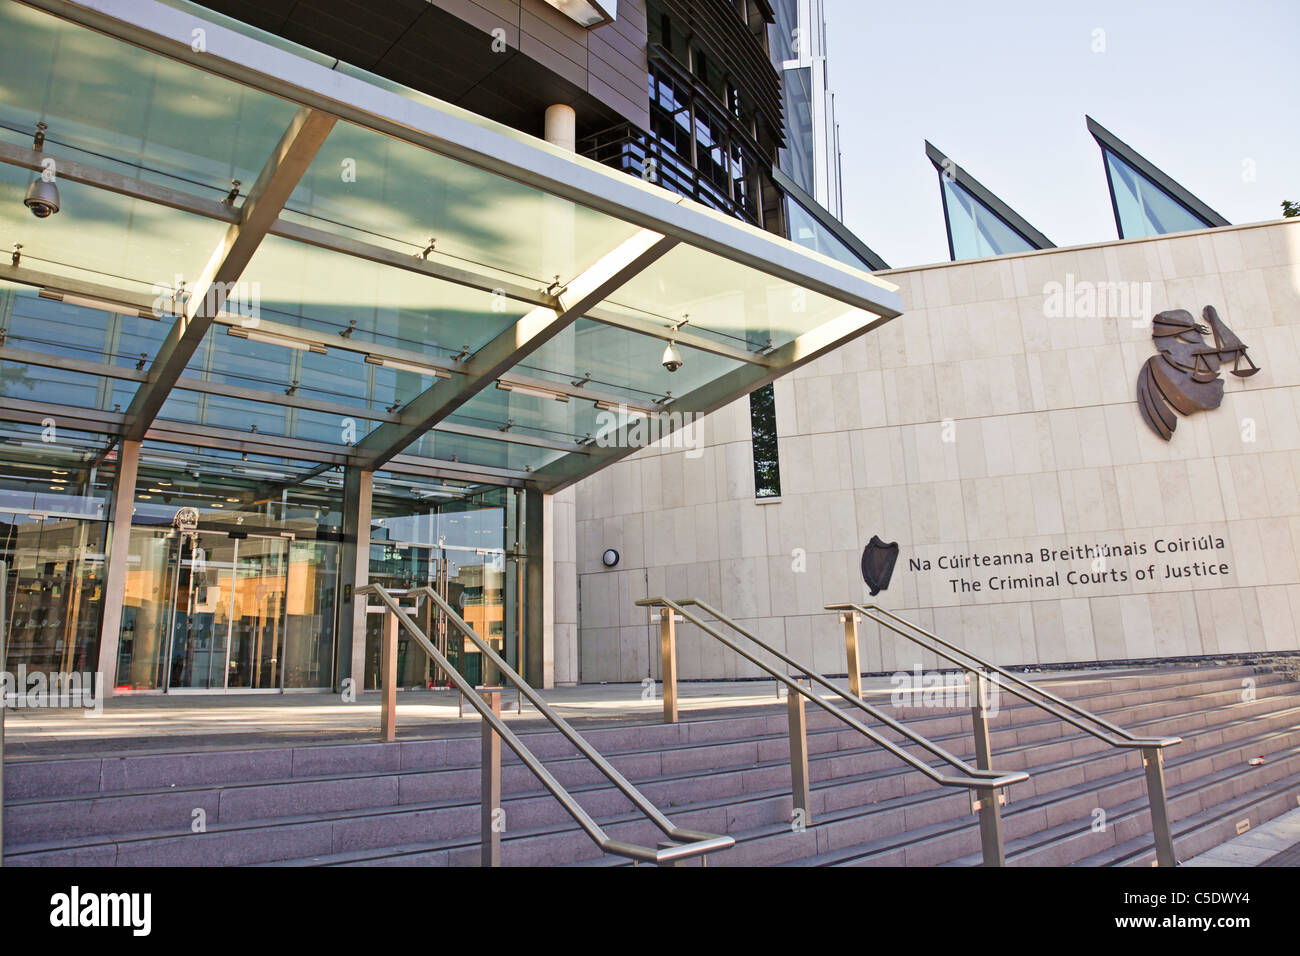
1196, 86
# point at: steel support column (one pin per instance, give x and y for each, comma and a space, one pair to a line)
538, 625
354, 572
117, 555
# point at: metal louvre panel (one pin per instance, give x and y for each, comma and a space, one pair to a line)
735, 48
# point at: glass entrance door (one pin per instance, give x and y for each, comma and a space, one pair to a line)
227, 612
237, 611
202, 605
257, 634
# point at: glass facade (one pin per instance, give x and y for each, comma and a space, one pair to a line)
798, 157
53, 527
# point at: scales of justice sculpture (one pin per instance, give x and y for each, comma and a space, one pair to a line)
1184, 376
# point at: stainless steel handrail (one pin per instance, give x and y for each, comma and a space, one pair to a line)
1114, 735
691, 842
1151, 747
987, 781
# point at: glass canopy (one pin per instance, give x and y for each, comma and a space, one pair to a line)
381, 280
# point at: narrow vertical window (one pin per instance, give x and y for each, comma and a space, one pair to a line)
767, 463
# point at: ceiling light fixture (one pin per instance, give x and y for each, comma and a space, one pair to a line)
282, 340
624, 409
533, 390
90, 302
400, 366
588, 13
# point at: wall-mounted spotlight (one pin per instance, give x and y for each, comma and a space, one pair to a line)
42, 195
609, 558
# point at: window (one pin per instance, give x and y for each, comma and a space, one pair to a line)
767, 463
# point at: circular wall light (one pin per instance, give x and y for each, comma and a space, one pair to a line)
609, 558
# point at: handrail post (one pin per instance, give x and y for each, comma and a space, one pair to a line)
491, 784
990, 811
388, 679
850, 619
1154, 763
801, 794
668, 662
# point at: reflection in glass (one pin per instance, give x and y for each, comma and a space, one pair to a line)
54, 592
201, 611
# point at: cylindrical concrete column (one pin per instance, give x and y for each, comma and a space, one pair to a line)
562, 127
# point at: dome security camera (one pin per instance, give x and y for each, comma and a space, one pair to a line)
672, 359
42, 198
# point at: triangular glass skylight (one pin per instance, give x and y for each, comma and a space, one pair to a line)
979, 224
1146, 202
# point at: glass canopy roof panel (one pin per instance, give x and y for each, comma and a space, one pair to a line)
450, 446
372, 187
106, 238
326, 294
22, 381
733, 303
609, 359
51, 477
222, 484
140, 113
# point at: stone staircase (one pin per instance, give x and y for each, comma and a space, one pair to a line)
416, 802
